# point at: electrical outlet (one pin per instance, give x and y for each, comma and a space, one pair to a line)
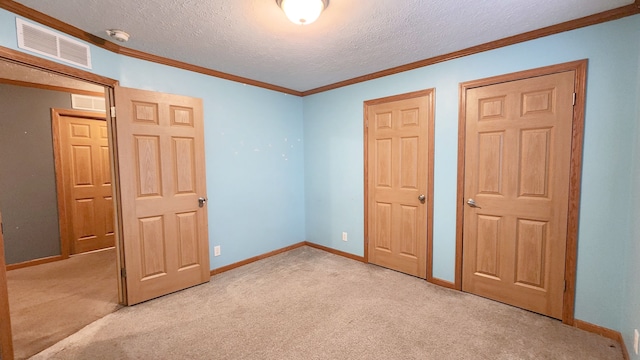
635, 340
216, 250
344, 236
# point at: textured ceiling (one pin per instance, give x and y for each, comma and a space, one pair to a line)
254, 39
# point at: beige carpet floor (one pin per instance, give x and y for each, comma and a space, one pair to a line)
309, 304
51, 301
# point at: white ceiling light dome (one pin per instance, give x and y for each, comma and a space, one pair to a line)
303, 12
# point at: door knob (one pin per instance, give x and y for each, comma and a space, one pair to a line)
201, 201
473, 204
421, 197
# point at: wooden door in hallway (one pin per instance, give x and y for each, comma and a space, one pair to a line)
83, 171
163, 192
517, 161
399, 139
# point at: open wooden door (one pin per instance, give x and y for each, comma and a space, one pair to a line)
160, 161
83, 177
6, 341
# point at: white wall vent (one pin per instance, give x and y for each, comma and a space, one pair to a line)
46, 42
91, 103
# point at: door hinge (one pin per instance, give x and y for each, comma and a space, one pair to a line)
2, 228
574, 99
366, 124
565, 286
113, 111
123, 272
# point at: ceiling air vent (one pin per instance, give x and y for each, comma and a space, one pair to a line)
46, 42
91, 103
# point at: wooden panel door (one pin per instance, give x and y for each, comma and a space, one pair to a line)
397, 150
83, 171
162, 176
6, 340
517, 167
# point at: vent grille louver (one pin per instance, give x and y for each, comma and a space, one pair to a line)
46, 42
40, 41
92, 103
73, 52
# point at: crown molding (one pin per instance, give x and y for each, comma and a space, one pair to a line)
80, 34
51, 22
594, 19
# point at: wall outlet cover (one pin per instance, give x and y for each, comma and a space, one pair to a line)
344, 236
635, 340
216, 250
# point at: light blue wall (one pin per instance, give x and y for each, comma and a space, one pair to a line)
254, 151
631, 301
334, 153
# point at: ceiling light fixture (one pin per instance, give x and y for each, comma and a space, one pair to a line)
303, 12
119, 35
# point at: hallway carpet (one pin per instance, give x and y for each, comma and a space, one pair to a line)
309, 304
51, 301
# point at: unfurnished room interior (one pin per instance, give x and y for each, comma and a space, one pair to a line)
320, 179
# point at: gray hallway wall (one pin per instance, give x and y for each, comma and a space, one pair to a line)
27, 175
